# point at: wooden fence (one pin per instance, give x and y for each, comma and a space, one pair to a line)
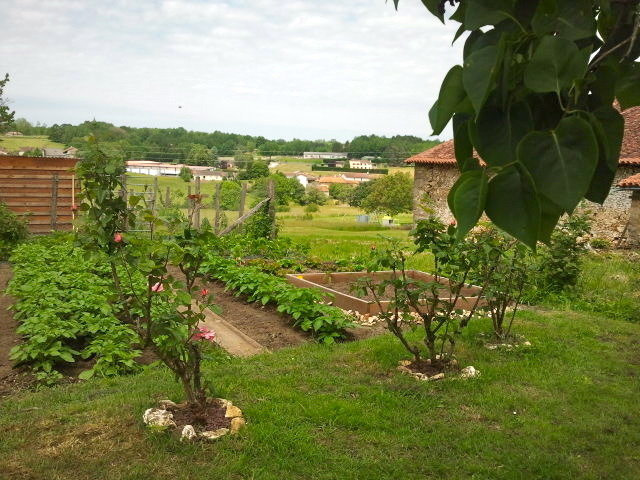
42, 188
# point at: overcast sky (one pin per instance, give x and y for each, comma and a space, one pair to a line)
282, 69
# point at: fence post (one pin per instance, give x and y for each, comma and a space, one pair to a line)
154, 197
189, 203
198, 204
216, 222
271, 188
54, 201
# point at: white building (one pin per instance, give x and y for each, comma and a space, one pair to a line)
324, 155
361, 164
147, 167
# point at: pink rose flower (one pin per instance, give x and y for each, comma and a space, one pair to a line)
205, 334
117, 237
204, 292
157, 287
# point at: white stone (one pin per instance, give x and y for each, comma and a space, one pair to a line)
438, 376
527, 343
469, 372
236, 424
158, 417
214, 434
232, 412
188, 433
167, 404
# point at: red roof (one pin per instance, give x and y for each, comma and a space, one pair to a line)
444, 153
632, 182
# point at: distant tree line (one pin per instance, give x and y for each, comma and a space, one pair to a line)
179, 145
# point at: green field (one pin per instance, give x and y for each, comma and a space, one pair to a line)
13, 144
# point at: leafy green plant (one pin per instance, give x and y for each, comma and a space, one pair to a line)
433, 304
503, 269
305, 306
13, 230
534, 98
63, 305
558, 264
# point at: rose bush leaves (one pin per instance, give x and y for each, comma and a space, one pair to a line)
533, 97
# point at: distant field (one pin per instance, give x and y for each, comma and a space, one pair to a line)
13, 144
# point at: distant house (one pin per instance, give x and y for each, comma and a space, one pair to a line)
70, 151
324, 155
359, 177
303, 178
13, 134
323, 183
361, 164
54, 152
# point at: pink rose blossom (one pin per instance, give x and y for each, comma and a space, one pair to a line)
158, 287
117, 237
204, 292
205, 334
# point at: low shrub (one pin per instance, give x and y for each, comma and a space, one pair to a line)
13, 230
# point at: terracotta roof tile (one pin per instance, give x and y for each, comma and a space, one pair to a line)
632, 182
444, 153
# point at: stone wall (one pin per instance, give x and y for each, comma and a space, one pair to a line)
436, 181
609, 220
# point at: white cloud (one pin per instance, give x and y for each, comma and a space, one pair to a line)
263, 67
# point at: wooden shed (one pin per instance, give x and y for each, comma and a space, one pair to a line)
44, 189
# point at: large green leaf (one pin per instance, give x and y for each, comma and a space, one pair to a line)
550, 213
452, 97
463, 147
512, 204
561, 161
497, 133
480, 70
555, 64
487, 12
608, 125
572, 19
600, 186
467, 200
628, 86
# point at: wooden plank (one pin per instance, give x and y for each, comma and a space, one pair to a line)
23, 195
12, 161
43, 208
46, 220
34, 175
45, 184
243, 218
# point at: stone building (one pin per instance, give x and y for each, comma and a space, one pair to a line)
436, 171
632, 185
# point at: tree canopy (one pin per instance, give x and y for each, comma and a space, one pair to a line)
534, 98
391, 195
6, 115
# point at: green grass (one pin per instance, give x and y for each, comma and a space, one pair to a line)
565, 408
13, 144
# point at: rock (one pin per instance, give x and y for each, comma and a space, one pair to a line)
214, 434
167, 404
438, 376
404, 369
236, 424
527, 344
158, 417
469, 372
232, 411
405, 363
224, 402
188, 433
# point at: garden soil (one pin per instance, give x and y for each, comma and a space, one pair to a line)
10, 379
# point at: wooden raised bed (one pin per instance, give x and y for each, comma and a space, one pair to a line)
346, 301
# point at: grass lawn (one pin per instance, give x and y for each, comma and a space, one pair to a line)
13, 144
564, 408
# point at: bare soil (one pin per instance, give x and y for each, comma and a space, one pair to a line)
347, 286
264, 324
10, 379
425, 366
212, 418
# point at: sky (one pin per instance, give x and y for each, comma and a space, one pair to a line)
282, 69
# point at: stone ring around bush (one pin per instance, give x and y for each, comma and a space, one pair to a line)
192, 422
